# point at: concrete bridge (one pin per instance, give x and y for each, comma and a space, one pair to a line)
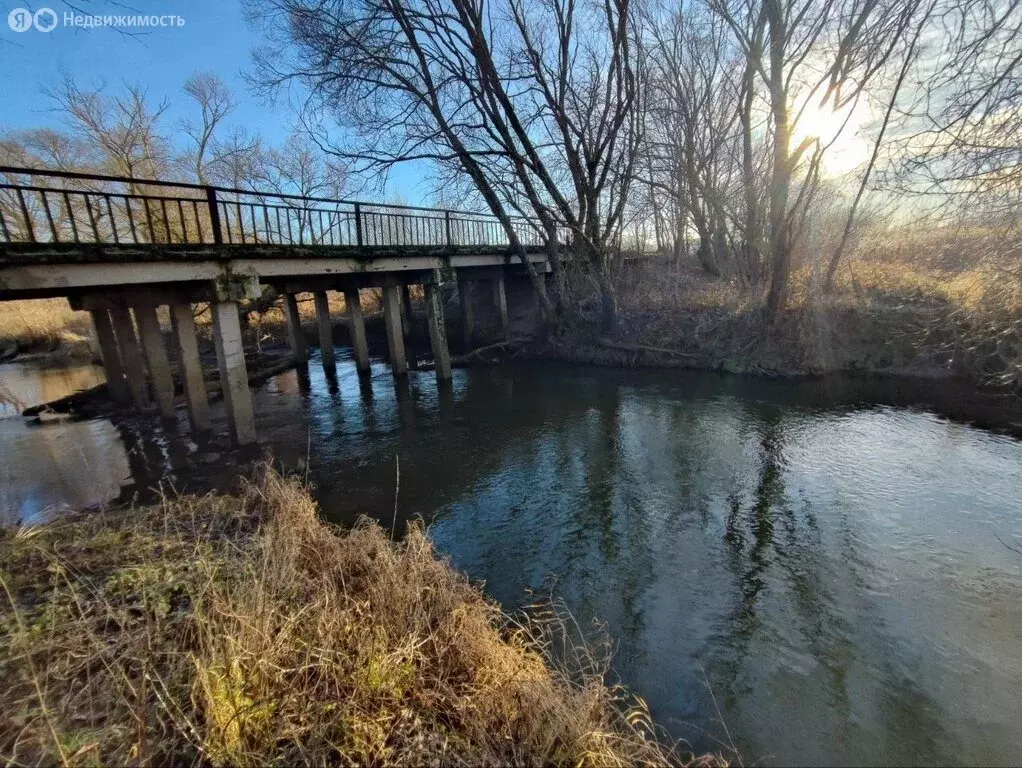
121, 247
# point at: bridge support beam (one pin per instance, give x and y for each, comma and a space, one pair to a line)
406, 308
500, 302
467, 314
392, 319
156, 356
230, 358
406, 324
127, 343
191, 368
537, 308
326, 334
437, 327
115, 381
357, 328
294, 329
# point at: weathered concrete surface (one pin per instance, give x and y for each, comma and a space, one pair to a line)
326, 336
156, 356
295, 336
230, 358
131, 358
438, 329
357, 328
500, 302
395, 337
53, 271
467, 311
191, 367
116, 384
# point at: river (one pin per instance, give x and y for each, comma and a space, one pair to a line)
816, 572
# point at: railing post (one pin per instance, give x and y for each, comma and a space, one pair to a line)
28, 218
358, 225
214, 215
447, 228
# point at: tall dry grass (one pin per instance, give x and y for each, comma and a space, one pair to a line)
45, 325
962, 288
242, 630
905, 299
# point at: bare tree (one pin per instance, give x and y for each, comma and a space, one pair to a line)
121, 130
909, 57
215, 103
535, 105
815, 53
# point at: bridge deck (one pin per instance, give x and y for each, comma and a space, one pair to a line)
119, 248
63, 232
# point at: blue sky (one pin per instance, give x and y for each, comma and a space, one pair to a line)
215, 38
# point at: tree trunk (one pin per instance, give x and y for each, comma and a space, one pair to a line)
780, 183
608, 301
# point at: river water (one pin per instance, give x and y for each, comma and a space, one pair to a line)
814, 572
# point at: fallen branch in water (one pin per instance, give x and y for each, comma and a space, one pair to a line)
642, 348
477, 354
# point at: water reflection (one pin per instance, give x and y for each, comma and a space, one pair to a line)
24, 385
828, 565
48, 468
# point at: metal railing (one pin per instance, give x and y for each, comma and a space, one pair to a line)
41, 206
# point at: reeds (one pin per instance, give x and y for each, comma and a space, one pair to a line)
44, 325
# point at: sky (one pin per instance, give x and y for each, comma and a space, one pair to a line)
214, 38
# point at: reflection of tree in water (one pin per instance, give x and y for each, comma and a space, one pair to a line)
773, 546
608, 552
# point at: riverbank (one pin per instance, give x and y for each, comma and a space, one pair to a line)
886, 315
242, 629
45, 329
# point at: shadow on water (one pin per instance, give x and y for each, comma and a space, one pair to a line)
823, 556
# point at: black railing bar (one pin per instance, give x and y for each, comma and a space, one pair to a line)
113, 221
227, 190
198, 221
184, 225
98, 193
49, 218
71, 217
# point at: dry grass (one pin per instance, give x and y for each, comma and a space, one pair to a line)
45, 325
905, 300
962, 290
245, 631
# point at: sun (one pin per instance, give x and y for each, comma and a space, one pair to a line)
839, 131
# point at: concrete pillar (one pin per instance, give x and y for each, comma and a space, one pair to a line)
156, 355
500, 302
406, 324
191, 368
230, 359
131, 359
392, 319
294, 329
406, 309
357, 328
537, 308
467, 315
115, 381
438, 328
326, 334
